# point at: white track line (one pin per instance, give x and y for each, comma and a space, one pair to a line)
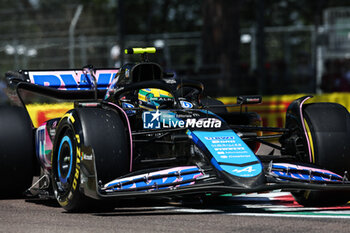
290, 215
309, 215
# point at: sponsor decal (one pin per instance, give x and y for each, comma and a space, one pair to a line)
151, 120
77, 165
247, 169
173, 177
87, 157
170, 81
76, 174
162, 99
186, 104
187, 115
220, 138
154, 120
127, 105
71, 79
229, 152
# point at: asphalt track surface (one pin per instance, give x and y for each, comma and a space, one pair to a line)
275, 212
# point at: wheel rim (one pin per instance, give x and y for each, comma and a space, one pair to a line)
64, 163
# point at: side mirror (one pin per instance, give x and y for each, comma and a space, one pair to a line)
249, 99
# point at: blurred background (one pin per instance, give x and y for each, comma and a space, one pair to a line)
236, 47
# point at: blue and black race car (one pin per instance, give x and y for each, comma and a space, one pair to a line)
137, 131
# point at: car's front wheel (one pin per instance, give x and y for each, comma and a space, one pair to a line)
326, 144
104, 132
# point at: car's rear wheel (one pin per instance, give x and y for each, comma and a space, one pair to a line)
328, 133
16, 151
104, 132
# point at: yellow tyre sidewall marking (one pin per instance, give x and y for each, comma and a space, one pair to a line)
65, 201
311, 141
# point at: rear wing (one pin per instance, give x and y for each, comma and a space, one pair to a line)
63, 84
69, 79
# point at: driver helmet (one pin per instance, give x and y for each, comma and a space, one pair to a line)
153, 98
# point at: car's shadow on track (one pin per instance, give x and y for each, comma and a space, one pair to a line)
45, 202
215, 205
189, 206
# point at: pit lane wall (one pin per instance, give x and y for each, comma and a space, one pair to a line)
272, 110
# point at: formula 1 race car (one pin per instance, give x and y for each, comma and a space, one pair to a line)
138, 131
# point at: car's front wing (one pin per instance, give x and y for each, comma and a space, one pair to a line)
195, 180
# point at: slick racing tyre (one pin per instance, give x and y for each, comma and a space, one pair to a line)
16, 151
328, 131
104, 132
